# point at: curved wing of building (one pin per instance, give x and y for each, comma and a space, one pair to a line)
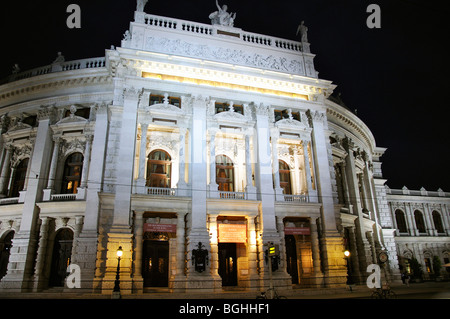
194, 147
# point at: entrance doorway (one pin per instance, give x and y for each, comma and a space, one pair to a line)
291, 258
62, 253
228, 264
155, 267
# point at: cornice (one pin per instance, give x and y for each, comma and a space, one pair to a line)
11, 92
351, 123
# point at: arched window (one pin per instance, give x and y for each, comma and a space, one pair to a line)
159, 169
437, 220
18, 181
420, 223
401, 221
225, 173
285, 177
72, 173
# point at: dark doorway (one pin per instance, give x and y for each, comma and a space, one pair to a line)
291, 258
155, 268
62, 252
228, 264
5, 251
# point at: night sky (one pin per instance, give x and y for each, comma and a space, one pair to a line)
395, 76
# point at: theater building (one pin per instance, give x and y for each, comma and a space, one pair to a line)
191, 147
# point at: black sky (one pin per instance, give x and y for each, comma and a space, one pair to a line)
394, 76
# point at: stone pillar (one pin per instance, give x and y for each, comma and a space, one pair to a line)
81, 191
252, 254
213, 187
275, 165
179, 281
354, 256
364, 249
312, 194
315, 247
141, 182
85, 246
198, 232
6, 170
23, 252
182, 185
138, 281
335, 272
40, 280
86, 161
120, 232
249, 188
53, 165
411, 220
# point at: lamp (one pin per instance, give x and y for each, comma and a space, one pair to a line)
347, 253
116, 290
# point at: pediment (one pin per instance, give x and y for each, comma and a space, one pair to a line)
166, 108
292, 123
19, 126
72, 119
230, 115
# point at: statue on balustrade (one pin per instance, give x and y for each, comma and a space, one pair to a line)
222, 17
140, 5
303, 30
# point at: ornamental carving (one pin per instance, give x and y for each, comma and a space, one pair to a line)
227, 55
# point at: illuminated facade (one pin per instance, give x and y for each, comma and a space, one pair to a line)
188, 133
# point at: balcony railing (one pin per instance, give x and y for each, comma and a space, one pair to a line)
303, 198
90, 63
161, 191
63, 197
232, 195
10, 200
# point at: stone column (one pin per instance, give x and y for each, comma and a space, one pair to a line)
182, 185
53, 165
81, 191
249, 188
354, 255
6, 170
138, 281
364, 249
411, 220
198, 231
252, 253
23, 252
332, 242
315, 247
141, 182
179, 281
212, 164
86, 161
312, 194
40, 280
275, 165
86, 243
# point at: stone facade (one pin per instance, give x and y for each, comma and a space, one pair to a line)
183, 131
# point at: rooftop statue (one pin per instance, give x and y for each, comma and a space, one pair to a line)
303, 30
222, 17
140, 5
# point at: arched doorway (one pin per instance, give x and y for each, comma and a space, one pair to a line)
5, 251
155, 261
61, 256
159, 169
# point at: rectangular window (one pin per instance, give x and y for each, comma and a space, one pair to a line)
284, 114
159, 99
225, 107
